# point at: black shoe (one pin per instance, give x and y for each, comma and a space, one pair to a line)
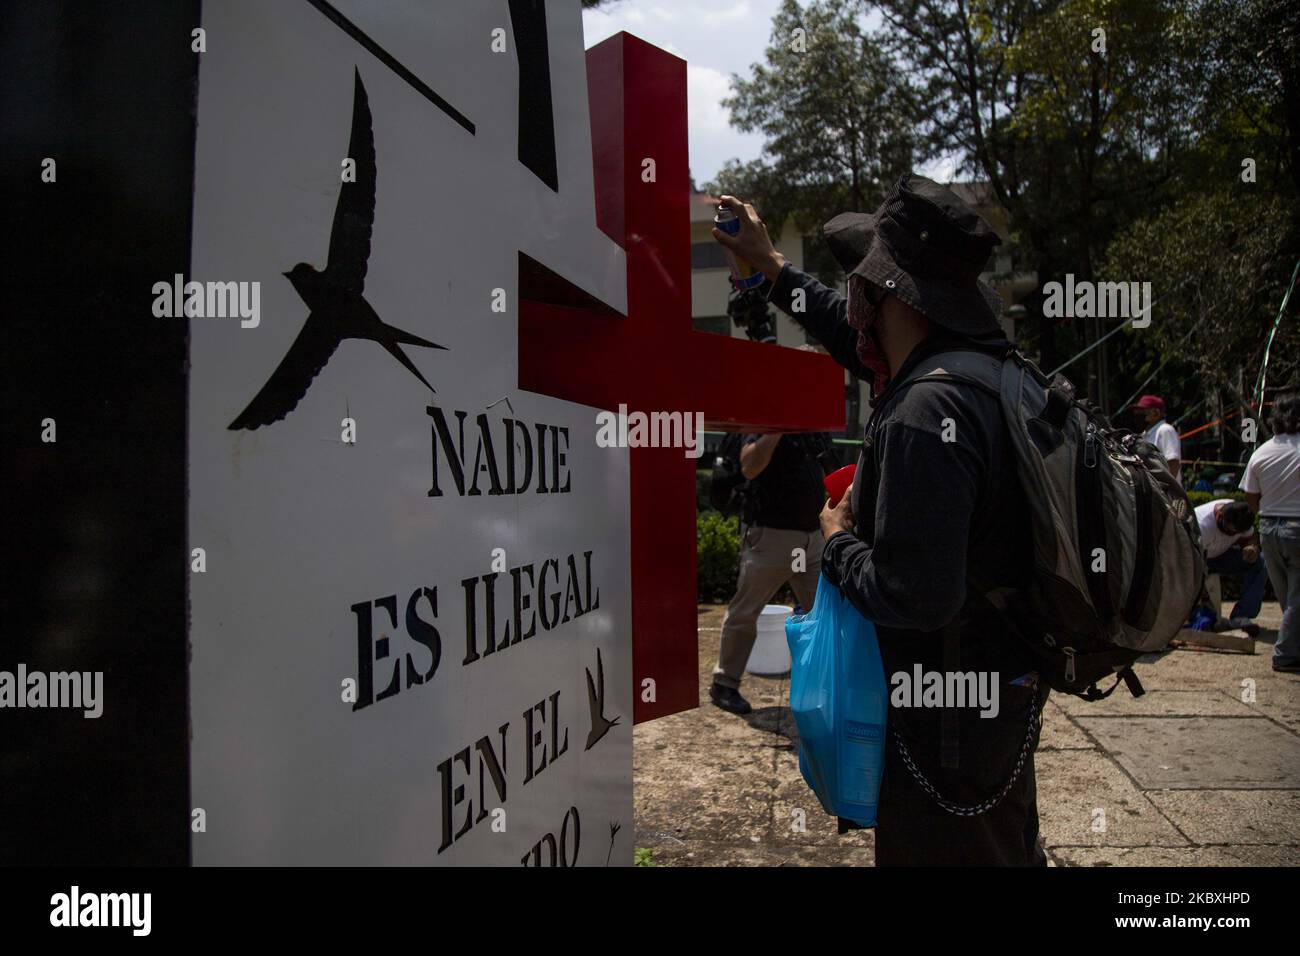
729, 699
1244, 624
1290, 667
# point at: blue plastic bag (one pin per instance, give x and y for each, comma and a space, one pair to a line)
838, 696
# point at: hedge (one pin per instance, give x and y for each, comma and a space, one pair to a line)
1198, 498
717, 555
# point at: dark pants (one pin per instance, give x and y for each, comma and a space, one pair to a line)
913, 830
1252, 576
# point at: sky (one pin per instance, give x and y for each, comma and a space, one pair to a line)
716, 38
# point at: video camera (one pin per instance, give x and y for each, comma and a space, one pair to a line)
748, 309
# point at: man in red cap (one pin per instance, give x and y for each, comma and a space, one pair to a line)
1151, 409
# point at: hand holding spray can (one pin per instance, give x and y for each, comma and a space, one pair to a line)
743, 275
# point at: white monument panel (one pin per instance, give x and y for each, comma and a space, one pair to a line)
309, 539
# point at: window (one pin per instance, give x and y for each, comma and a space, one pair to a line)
708, 255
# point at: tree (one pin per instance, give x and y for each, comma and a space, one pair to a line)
1252, 57
1217, 257
838, 116
1221, 241
1075, 111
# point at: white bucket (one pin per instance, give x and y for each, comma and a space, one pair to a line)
771, 654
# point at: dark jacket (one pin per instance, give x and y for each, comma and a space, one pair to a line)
788, 493
946, 514
941, 508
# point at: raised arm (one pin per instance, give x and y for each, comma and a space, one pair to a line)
819, 309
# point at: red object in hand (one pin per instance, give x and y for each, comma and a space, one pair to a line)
837, 482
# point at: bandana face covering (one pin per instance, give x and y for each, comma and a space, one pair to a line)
862, 316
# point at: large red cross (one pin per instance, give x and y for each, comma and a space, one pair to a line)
575, 348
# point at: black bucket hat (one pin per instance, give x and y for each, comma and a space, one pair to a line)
927, 247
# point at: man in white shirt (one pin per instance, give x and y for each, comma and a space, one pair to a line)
1151, 409
1228, 536
1272, 487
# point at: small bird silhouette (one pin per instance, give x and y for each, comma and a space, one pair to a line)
600, 725
338, 309
614, 827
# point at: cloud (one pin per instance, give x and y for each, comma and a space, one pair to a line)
737, 11
705, 90
716, 38
944, 169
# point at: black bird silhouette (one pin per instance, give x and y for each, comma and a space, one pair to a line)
614, 827
338, 309
600, 724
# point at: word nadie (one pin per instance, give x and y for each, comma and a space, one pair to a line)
497, 466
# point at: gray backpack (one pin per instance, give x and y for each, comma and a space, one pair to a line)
1118, 564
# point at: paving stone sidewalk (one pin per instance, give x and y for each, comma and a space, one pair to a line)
1196, 773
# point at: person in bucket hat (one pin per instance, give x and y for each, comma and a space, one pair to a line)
934, 516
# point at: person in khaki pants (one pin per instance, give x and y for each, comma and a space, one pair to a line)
785, 498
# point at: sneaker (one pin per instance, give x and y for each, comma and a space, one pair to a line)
1244, 624
729, 699
1289, 667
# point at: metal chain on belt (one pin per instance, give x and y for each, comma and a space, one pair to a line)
963, 810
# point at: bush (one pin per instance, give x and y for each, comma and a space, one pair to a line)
703, 476
1198, 498
717, 555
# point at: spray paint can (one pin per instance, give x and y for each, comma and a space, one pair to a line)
743, 275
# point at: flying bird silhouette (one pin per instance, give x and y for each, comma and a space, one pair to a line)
338, 309
614, 827
600, 724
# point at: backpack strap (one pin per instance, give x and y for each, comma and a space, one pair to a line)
982, 369
978, 365
1127, 675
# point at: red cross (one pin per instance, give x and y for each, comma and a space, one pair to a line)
575, 348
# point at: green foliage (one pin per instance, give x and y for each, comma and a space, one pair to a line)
1103, 76
1198, 498
703, 476
717, 555
1139, 144
838, 115
1115, 134
1213, 258
644, 856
